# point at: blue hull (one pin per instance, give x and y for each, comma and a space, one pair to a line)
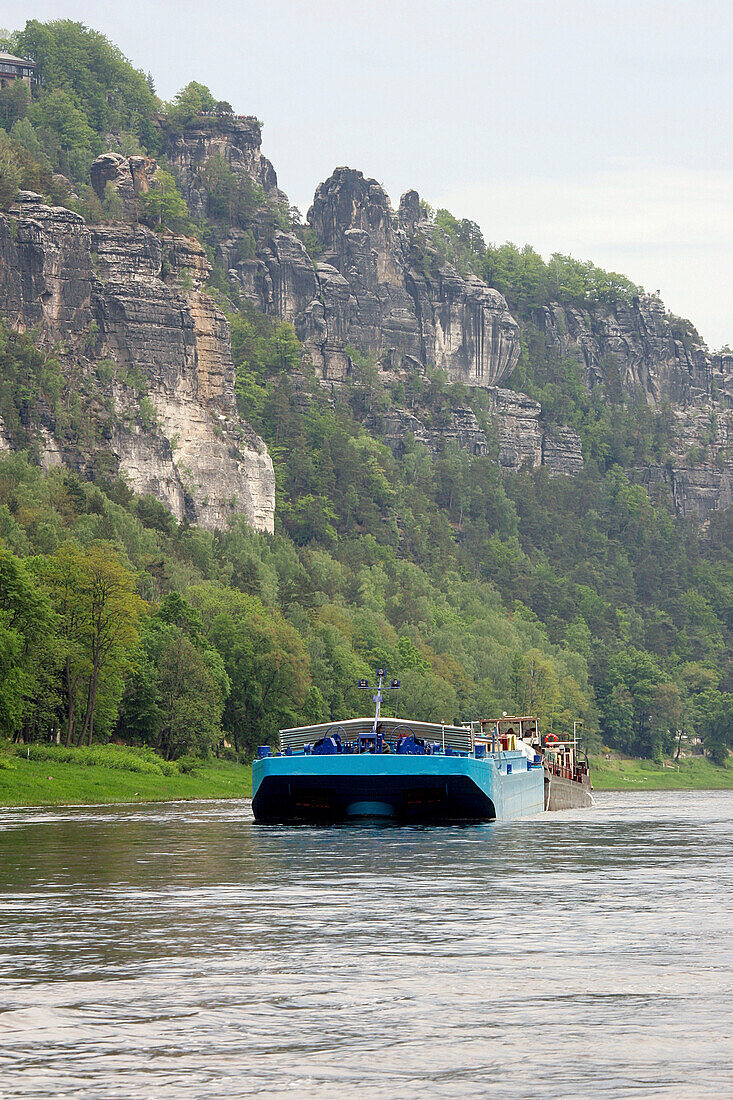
340, 787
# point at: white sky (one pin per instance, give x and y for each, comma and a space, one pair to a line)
602, 128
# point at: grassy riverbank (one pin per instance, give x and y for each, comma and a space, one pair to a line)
106, 774
627, 774
62, 777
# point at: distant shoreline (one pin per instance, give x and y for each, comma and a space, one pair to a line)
53, 783
50, 782
695, 773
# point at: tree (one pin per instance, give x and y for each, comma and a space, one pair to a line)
193, 100
232, 199
163, 205
27, 649
14, 102
534, 684
94, 597
190, 700
10, 171
66, 129
265, 660
716, 725
95, 75
23, 134
428, 698
667, 711
632, 688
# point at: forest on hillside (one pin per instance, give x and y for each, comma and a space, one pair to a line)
483, 591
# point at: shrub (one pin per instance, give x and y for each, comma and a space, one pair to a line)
142, 761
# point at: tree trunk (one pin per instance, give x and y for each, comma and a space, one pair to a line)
70, 704
83, 730
88, 726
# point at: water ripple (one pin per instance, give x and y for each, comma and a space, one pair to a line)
180, 951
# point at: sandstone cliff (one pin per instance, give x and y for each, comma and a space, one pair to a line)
639, 348
373, 285
377, 287
237, 141
121, 296
369, 291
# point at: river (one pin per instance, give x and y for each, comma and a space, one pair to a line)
166, 951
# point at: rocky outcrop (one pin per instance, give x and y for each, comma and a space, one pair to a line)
379, 287
562, 452
638, 348
519, 429
463, 431
641, 348
128, 178
235, 140
370, 289
524, 441
436, 318
45, 270
699, 475
124, 296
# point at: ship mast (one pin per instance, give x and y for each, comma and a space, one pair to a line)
378, 697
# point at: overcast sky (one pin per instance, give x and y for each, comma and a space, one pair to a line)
600, 128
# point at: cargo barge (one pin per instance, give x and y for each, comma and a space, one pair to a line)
412, 772
395, 770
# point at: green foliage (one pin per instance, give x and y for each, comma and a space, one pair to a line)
231, 199
615, 429
20, 168
523, 277
27, 652
85, 90
245, 633
527, 281
25, 135
104, 756
26, 375
164, 207
14, 102
67, 134
191, 102
576, 598
103, 90
191, 699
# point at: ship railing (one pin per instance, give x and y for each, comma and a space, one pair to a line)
457, 738
576, 774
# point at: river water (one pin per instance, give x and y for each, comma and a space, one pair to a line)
181, 951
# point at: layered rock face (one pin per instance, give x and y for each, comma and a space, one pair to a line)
437, 318
699, 480
649, 350
368, 292
645, 350
379, 287
46, 270
236, 140
371, 290
119, 293
524, 441
129, 178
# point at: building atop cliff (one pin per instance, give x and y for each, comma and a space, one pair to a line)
14, 68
